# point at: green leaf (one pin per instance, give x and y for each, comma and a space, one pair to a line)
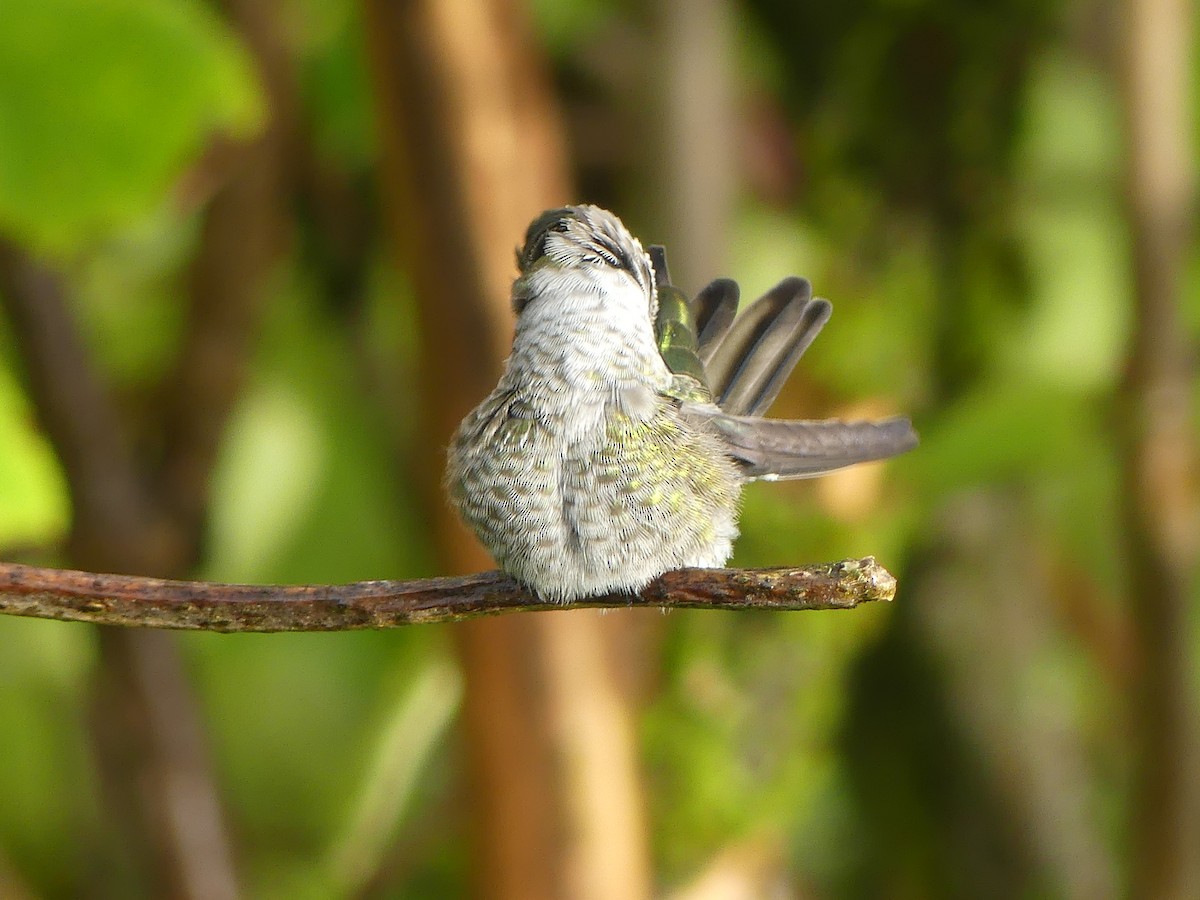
102, 105
34, 506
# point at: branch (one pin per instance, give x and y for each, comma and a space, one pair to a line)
157, 603
1159, 447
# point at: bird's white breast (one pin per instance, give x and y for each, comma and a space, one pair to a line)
584, 345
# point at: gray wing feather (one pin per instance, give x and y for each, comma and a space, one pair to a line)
790, 448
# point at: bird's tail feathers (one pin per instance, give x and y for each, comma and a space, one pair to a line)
747, 359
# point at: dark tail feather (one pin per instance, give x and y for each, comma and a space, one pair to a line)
749, 363
714, 309
658, 259
788, 448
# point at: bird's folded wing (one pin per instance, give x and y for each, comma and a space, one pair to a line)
790, 448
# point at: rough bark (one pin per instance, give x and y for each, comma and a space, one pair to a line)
158, 603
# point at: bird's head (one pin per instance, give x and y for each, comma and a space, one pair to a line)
582, 249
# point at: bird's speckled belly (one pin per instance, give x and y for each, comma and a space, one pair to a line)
607, 510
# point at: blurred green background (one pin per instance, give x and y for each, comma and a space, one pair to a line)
952, 175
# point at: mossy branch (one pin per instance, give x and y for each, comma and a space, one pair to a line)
197, 605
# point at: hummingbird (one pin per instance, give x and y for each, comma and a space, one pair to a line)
627, 419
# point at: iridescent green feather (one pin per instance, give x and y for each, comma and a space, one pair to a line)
675, 333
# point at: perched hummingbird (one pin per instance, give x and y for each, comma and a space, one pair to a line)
627, 420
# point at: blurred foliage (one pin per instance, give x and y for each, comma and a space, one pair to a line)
100, 116
954, 189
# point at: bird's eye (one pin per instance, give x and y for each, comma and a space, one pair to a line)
562, 226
